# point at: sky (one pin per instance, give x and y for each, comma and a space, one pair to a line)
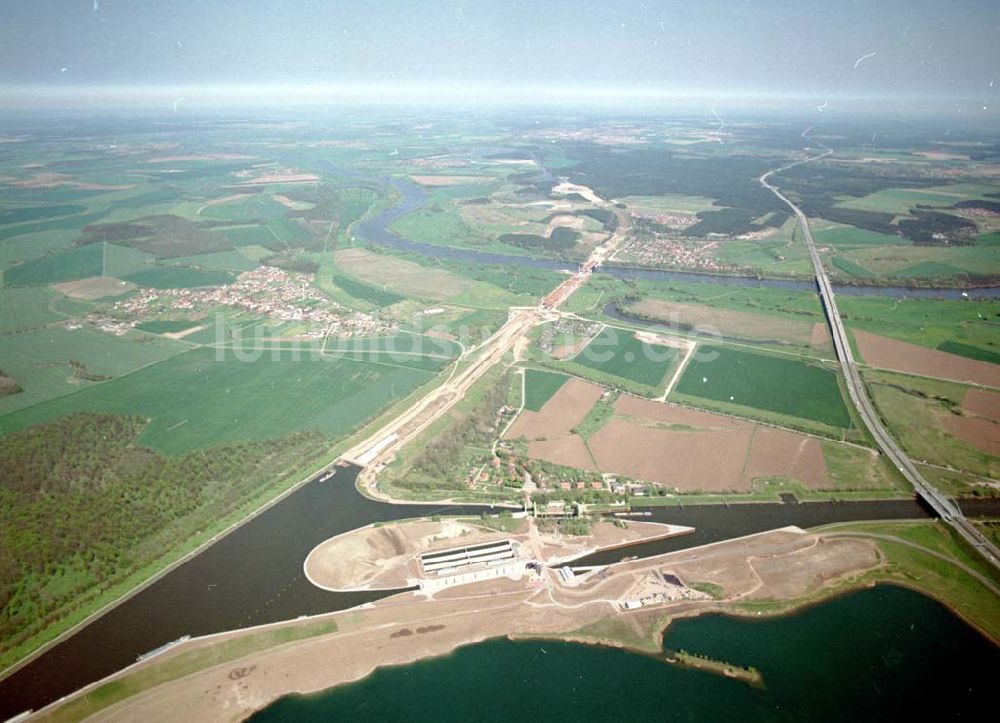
812, 51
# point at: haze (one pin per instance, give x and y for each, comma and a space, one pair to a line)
898, 55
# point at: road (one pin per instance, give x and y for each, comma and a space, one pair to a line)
944, 506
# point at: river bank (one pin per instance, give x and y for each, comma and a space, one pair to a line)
866, 652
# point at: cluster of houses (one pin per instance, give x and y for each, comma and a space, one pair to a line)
677, 221
566, 329
268, 291
661, 250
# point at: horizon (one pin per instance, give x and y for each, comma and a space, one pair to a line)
904, 58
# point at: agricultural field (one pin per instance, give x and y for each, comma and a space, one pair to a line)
690, 451
166, 326
619, 353
885, 353
539, 387
901, 201
925, 322
52, 362
789, 387
392, 274
175, 277
27, 308
364, 292
749, 326
772, 252
669, 204
78, 263
255, 235
195, 401
849, 237
899, 261
969, 352
940, 422
458, 284
233, 261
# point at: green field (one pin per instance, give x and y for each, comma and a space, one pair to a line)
902, 200
287, 231
540, 386
929, 270
848, 236
26, 308
354, 203
256, 207
916, 410
927, 322
784, 385
972, 352
617, 352
195, 401
218, 261
25, 248
440, 227
40, 361
257, 235
172, 277
670, 203
81, 262
851, 269
365, 292
36, 213
166, 326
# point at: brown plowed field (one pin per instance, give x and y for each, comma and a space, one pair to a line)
820, 339
669, 414
569, 451
982, 402
981, 425
980, 432
688, 449
729, 322
406, 277
880, 351
709, 461
560, 414
95, 287
793, 454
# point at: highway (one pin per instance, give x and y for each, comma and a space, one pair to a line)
945, 507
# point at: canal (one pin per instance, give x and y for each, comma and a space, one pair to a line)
254, 576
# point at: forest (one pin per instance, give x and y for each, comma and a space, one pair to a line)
82, 507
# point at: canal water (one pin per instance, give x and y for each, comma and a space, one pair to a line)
250, 577
254, 576
882, 654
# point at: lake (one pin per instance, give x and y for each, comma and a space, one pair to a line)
881, 654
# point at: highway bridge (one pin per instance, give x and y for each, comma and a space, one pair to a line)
946, 508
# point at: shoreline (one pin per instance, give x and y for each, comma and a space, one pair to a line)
179, 682
573, 637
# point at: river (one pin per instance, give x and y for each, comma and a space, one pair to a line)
377, 230
880, 654
254, 576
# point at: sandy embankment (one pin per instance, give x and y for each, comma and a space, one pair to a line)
386, 557
787, 563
